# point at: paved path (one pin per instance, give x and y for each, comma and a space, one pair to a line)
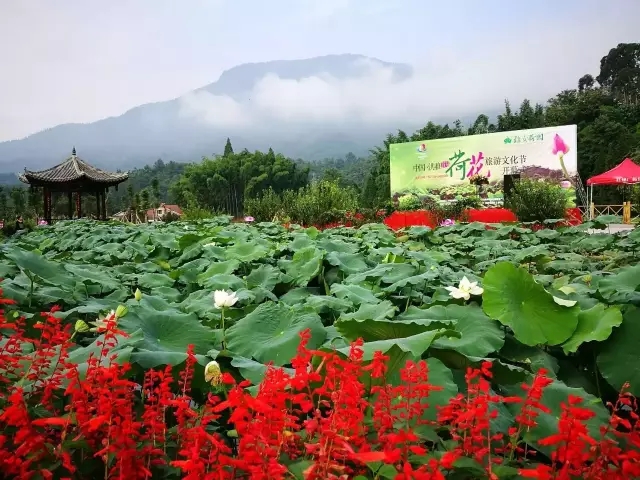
614, 228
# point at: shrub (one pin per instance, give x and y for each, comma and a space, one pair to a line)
264, 208
537, 200
319, 203
197, 213
409, 202
455, 210
170, 217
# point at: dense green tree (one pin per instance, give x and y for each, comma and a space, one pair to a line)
18, 197
222, 183
130, 196
145, 203
34, 201
164, 174
4, 211
620, 73
349, 171
155, 191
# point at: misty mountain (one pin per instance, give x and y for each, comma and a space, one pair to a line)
166, 130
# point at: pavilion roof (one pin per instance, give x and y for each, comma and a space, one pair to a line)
73, 169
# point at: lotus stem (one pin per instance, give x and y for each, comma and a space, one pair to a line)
564, 169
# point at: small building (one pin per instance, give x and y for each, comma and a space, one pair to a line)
72, 177
157, 214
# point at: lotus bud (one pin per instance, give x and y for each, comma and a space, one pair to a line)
81, 326
137, 295
121, 311
213, 374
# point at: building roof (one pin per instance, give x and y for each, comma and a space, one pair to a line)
167, 207
73, 169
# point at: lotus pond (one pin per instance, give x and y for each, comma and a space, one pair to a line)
560, 299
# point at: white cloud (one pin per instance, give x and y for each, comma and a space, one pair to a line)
453, 84
215, 110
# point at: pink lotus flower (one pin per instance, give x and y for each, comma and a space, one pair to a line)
43, 222
448, 223
559, 146
565, 184
249, 219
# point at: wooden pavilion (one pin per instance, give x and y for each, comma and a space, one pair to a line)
74, 176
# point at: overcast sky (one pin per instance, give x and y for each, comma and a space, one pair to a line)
83, 60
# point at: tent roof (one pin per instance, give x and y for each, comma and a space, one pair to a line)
628, 172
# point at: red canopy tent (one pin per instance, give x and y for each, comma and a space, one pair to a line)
626, 173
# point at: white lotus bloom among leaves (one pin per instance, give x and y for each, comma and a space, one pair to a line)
212, 373
465, 289
223, 299
100, 324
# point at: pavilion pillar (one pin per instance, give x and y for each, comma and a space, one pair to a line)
70, 199
104, 204
79, 204
46, 193
98, 203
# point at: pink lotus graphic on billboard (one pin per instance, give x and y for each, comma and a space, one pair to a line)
422, 148
560, 148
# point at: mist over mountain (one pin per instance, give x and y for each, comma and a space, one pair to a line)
302, 108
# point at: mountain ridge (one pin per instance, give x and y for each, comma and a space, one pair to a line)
154, 130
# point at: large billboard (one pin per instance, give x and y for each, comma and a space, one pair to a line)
442, 168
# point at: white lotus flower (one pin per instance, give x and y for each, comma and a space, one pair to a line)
100, 324
223, 299
465, 289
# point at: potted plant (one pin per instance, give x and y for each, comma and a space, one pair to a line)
480, 182
478, 179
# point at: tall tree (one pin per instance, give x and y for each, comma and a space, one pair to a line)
155, 194
620, 72
507, 120
228, 149
586, 82
18, 200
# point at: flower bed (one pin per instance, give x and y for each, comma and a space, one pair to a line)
399, 219
332, 415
